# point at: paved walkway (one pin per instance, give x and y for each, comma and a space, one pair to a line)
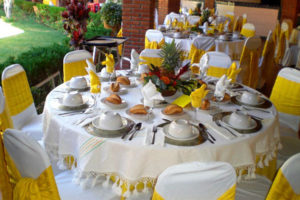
7, 30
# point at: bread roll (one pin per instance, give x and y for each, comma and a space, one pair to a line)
226, 98
114, 98
115, 87
205, 105
123, 80
138, 109
172, 109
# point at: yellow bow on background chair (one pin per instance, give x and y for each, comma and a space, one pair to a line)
109, 62
198, 95
248, 30
195, 54
238, 23
281, 47
153, 44
232, 72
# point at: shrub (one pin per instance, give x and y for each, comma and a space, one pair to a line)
26, 6
50, 15
111, 13
95, 26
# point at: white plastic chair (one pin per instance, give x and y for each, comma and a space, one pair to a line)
218, 63
151, 56
20, 101
193, 19
286, 180
154, 35
170, 17
196, 181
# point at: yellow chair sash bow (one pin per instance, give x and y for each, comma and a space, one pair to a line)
75, 69
120, 47
232, 72
190, 11
153, 44
216, 71
285, 96
281, 47
247, 33
156, 61
220, 28
109, 62
195, 54
281, 189
17, 93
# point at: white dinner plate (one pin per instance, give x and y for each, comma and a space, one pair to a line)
120, 92
253, 123
195, 134
114, 106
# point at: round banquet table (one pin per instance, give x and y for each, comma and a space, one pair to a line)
137, 161
232, 48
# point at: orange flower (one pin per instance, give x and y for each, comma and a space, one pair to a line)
165, 79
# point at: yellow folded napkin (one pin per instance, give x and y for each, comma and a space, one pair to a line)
232, 72
94, 79
190, 11
174, 23
198, 95
109, 62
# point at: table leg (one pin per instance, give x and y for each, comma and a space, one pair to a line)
94, 54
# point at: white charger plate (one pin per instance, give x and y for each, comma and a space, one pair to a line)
195, 134
252, 125
120, 92
114, 106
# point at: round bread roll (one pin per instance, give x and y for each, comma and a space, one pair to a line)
114, 98
115, 87
138, 109
123, 80
172, 109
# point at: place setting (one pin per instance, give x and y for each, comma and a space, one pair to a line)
115, 88
77, 83
114, 101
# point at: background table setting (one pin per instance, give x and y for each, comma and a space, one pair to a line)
132, 144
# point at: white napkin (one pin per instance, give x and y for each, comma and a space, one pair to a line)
90, 66
159, 137
205, 27
135, 59
213, 128
150, 94
221, 86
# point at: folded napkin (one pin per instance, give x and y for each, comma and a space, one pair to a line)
109, 62
134, 60
174, 23
205, 27
213, 129
150, 93
94, 79
159, 137
232, 72
198, 95
190, 11
221, 86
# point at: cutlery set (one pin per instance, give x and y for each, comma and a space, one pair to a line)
133, 129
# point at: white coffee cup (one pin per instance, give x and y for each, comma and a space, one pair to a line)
78, 82
250, 98
72, 99
110, 121
180, 128
143, 69
239, 120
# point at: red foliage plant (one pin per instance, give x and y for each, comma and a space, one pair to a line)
75, 20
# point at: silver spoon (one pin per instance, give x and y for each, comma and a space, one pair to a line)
136, 128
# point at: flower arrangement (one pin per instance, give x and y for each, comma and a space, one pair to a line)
75, 21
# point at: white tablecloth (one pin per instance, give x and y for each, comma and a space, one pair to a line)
133, 161
232, 48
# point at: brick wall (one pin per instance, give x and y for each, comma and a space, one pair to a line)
137, 17
165, 7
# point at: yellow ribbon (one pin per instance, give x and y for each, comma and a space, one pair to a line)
232, 72
153, 44
281, 189
5, 119
195, 54
198, 95
75, 69
95, 82
120, 47
217, 72
180, 10
174, 23
190, 11
220, 28
109, 62
247, 33
156, 61
195, 69
281, 47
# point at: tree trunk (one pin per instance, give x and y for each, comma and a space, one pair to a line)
8, 4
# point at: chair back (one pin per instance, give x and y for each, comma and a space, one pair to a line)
248, 30
154, 39
18, 95
34, 176
151, 56
218, 63
199, 47
286, 184
244, 21
170, 17
196, 181
286, 97
75, 63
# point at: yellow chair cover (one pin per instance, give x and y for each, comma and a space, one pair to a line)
216, 71
75, 69
249, 64
281, 47
109, 62
153, 44
120, 47
276, 32
285, 96
238, 23
247, 33
156, 61
5, 119
220, 28
281, 189
17, 93
244, 21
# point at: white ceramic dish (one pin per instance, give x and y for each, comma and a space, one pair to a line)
195, 134
260, 101
72, 88
114, 106
96, 124
252, 125
120, 92
85, 101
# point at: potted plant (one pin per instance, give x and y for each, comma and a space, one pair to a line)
111, 15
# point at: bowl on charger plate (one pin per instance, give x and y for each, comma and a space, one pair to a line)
250, 98
72, 99
239, 120
180, 128
78, 82
110, 121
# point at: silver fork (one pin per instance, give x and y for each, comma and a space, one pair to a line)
220, 125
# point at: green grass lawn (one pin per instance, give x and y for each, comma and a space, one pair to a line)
34, 35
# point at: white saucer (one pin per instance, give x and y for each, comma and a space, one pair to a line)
260, 101
85, 100
140, 116
96, 124
253, 123
120, 92
195, 134
80, 88
114, 106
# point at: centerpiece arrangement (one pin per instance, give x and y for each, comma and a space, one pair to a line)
165, 78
